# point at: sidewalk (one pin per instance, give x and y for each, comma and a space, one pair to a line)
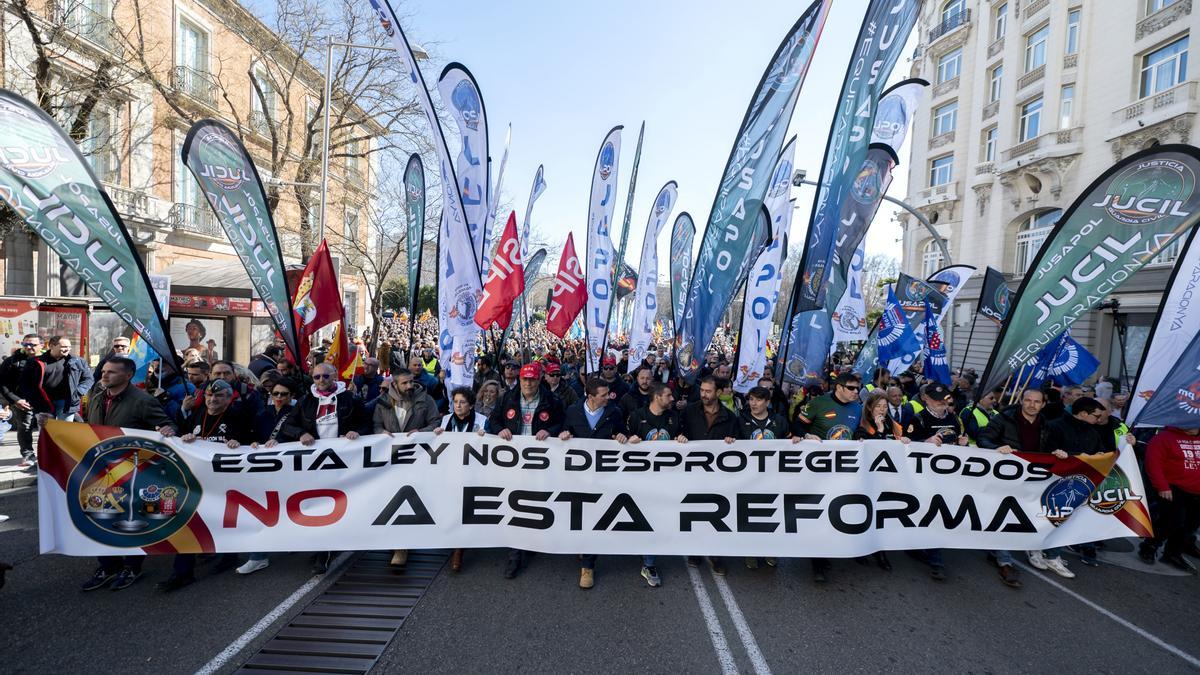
10, 457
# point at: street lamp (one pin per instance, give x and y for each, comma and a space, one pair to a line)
798, 179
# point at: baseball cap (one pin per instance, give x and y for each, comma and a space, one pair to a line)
220, 387
512, 363
608, 361
937, 391
553, 368
531, 371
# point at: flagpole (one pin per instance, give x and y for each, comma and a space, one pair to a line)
620, 261
1011, 397
967, 351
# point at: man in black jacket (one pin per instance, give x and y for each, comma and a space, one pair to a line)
120, 404
10, 393
529, 409
639, 395
1017, 428
707, 420
267, 360
55, 382
593, 417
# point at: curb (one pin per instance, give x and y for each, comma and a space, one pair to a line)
16, 479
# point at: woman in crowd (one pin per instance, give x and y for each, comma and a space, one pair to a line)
266, 427
463, 418
877, 425
489, 395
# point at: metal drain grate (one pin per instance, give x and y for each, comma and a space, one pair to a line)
347, 628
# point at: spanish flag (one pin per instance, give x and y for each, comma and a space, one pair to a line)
1096, 468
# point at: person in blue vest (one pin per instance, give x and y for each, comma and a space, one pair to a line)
596, 416
977, 415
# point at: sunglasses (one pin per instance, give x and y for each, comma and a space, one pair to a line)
608, 368
280, 394
31, 344
322, 376
850, 388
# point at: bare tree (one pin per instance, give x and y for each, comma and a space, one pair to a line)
878, 271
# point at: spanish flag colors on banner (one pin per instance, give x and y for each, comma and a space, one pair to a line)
1107, 485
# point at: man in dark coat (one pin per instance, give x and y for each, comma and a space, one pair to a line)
55, 382
707, 419
10, 395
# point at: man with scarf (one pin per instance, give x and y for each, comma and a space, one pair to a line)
404, 409
327, 410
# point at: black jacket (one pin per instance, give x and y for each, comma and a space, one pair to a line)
79, 382
1077, 437
132, 409
612, 421
303, 418
633, 400
235, 424
10, 377
695, 425
1002, 430
261, 364
548, 415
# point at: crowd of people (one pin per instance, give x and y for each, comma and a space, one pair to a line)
402, 389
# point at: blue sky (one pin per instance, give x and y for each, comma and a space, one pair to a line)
563, 74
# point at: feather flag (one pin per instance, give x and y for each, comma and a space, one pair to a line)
936, 366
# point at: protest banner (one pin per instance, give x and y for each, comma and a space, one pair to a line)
104, 490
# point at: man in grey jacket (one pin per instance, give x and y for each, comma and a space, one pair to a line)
405, 408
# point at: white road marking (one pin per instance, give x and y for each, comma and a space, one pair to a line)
715, 632
739, 621
1195, 662
246, 638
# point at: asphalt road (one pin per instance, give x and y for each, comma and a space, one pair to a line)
766, 620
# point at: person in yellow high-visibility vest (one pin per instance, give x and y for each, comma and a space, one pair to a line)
977, 415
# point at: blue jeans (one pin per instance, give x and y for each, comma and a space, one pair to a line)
258, 556
588, 561
62, 413
649, 560
1003, 558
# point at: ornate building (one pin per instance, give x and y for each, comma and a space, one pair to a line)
1030, 101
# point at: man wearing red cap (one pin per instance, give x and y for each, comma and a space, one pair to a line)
554, 382
529, 410
608, 372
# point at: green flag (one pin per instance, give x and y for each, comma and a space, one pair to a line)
45, 179
1115, 227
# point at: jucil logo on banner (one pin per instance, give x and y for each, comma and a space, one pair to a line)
1148, 192
226, 177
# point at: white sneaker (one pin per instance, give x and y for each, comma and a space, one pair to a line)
1059, 567
1038, 560
252, 566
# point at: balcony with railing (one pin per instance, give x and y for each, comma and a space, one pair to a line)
946, 192
196, 84
995, 48
1162, 18
950, 24
1182, 99
1055, 143
354, 176
1031, 77
195, 219
92, 26
130, 203
1033, 8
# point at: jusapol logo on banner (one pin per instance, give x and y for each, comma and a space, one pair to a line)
105, 491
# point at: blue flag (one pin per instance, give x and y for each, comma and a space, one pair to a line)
1064, 362
937, 368
1176, 402
896, 337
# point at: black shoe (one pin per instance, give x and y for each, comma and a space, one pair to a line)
1178, 562
818, 576
320, 563
4, 568
226, 563
1193, 551
1008, 575
1148, 554
937, 573
100, 579
511, 568
125, 579
175, 582
718, 566
881, 559
693, 561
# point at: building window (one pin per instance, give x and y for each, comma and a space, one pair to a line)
1164, 68
952, 12
354, 161
186, 190
1031, 120
945, 118
931, 258
350, 223
100, 146
1066, 107
1035, 49
941, 170
261, 119
1168, 255
949, 66
1032, 234
1073, 31
1000, 23
1153, 6
997, 77
989, 145
192, 47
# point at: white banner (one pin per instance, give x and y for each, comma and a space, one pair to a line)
460, 95
1178, 323
459, 283
102, 491
601, 257
645, 296
758, 308
850, 316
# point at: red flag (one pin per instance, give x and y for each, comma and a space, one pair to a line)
318, 301
570, 292
505, 282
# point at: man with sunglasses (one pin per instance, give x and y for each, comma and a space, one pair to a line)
55, 382
608, 372
831, 416
554, 382
10, 393
119, 347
